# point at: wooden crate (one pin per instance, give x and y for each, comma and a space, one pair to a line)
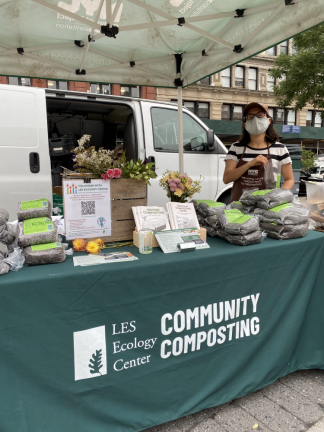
124, 194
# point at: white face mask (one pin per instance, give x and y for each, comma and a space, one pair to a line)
257, 126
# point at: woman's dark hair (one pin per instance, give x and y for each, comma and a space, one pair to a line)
271, 135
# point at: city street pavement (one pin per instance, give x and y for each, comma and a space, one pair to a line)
294, 403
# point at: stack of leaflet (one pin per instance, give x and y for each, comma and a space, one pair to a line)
182, 215
37, 234
154, 218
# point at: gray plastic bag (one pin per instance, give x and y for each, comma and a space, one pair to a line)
34, 209
235, 222
284, 232
251, 238
36, 231
51, 253
284, 214
213, 222
4, 268
267, 198
239, 206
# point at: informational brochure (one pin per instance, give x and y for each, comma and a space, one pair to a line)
182, 215
168, 240
154, 217
103, 258
87, 209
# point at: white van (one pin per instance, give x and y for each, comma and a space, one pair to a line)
32, 119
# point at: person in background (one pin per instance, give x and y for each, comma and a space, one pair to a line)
257, 160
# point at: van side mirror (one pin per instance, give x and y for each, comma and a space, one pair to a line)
210, 140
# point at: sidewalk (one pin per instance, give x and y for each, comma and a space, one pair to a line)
294, 403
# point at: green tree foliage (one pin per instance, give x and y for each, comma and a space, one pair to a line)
302, 73
308, 159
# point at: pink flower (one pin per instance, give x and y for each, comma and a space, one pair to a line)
173, 188
189, 180
180, 186
104, 176
176, 181
117, 172
170, 181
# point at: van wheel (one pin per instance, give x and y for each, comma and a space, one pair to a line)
225, 197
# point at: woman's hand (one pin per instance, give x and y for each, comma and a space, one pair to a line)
259, 160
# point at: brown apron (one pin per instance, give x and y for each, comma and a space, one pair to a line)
253, 178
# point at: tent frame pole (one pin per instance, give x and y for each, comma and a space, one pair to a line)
180, 129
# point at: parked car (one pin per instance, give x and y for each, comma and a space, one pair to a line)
30, 117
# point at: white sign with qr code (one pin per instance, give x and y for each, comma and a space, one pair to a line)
87, 209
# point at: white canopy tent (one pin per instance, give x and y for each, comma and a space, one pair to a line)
160, 43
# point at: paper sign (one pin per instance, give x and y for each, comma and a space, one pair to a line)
87, 209
286, 128
296, 129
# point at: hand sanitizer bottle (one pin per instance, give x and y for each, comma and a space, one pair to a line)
145, 238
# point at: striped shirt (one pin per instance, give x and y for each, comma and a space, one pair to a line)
278, 152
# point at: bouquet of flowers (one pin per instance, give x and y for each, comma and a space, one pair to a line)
179, 187
89, 160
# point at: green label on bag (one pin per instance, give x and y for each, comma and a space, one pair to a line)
238, 202
211, 203
236, 216
280, 207
46, 246
40, 203
278, 181
261, 192
39, 227
36, 221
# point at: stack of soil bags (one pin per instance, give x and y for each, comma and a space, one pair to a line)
239, 228
4, 268
285, 221
207, 211
37, 233
7, 236
267, 198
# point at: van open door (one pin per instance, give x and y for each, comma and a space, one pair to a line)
25, 170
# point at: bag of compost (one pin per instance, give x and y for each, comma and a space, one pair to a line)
4, 217
4, 268
213, 222
34, 209
204, 206
267, 198
239, 206
284, 232
284, 214
251, 238
236, 222
50, 253
211, 231
36, 231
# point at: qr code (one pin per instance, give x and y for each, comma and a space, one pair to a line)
88, 208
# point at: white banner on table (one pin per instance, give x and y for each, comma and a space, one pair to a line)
87, 209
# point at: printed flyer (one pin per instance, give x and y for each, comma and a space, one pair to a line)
87, 210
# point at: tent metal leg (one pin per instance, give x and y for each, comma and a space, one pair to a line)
180, 130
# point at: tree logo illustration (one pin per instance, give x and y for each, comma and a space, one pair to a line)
95, 362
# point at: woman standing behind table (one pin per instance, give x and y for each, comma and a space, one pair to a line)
257, 151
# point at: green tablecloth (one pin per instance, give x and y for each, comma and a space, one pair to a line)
271, 296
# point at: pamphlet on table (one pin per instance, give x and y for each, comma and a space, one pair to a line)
182, 215
103, 258
155, 218
168, 240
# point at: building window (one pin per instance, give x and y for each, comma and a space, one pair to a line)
284, 47
293, 49
13, 81
283, 116
100, 89
309, 118
226, 78
132, 91
205, 81
252, 79
62, 85
226, 112
291, 117
190, 106
272, 51
203, 110
239, 76
270, 83
314, 119
232, 112
19, 81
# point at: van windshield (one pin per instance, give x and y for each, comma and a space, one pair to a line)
165, 132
